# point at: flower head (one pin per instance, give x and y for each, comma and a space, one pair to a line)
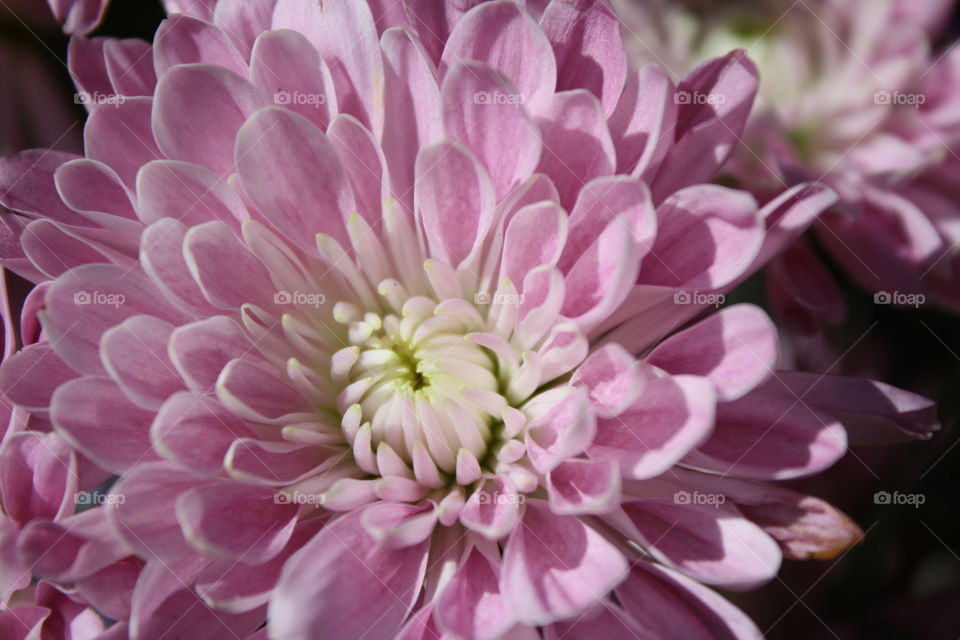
381, 335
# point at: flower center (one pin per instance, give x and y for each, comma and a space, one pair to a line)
415, 383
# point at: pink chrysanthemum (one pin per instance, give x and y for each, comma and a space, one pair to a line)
394, 337
854, 93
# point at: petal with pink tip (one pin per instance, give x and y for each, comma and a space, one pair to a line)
29, 377
584, 487
182, 39
200, 350
130, 67
272, 463
669, 604
716, 99
577, 146
187, 192
238, 587
642, 126
120, 136
199, 110
195, 432
613, 379
27, 186
236, 520
94, 416
736, 349
535, 236
163, 605
292, 173
602, 202
161, 255
871, 412
255, 393
363, 161
556, 567
399, 526
670, 417
471, 605
228, 273
412, 103
288, 68
145, 519
588, 48
507, 39
493, 509
346, 38
53, 250
712, 543
606, 620
487, 115
329, 583
243, 21
86, 301
560, 426
707, 236
449, 178
769, 436
134, 353
38, 476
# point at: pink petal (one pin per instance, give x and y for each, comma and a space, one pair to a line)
183, 39
713, 544
120, 136
134, 353
292, 173
331, 581
471, 605
573, 160
577, 487
559, 426
29, 378
195, 432
556, 567
670, 417
198, 112
486, 114
288, 68
669, 604
736, 349
95, 417
187, 192
450, 177
202, 349
707, 236
493, 509
586, 41
506, 38
130, 67
642, 126
716, 99
236, 520
535, 236
768, 436
228, 273
613, 379
38, 477
256, 393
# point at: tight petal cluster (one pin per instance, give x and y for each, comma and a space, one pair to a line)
353, 322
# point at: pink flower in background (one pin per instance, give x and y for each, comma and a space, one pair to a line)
853, 94
394, 324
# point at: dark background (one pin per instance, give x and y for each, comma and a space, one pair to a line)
903, 580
